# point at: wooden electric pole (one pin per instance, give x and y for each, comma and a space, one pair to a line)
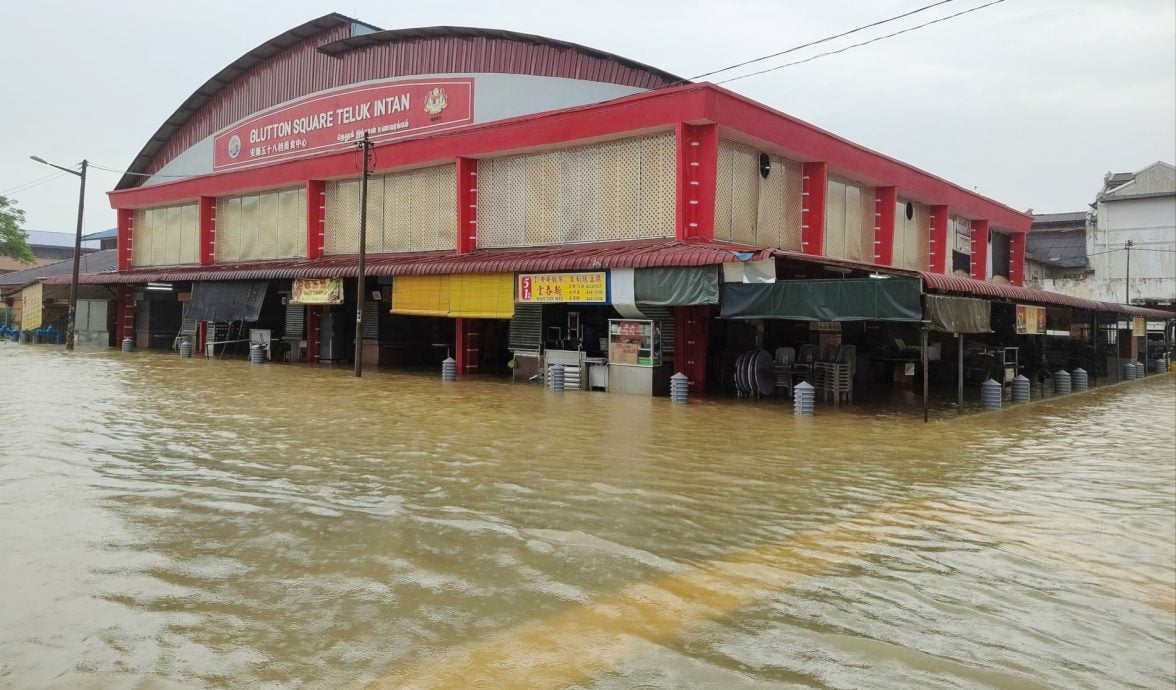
360, 285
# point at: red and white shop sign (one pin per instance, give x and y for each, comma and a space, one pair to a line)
333, 120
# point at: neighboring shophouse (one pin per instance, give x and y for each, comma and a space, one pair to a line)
525, 194
1139, 208
1056, 249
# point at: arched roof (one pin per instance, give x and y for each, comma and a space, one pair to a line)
336, 36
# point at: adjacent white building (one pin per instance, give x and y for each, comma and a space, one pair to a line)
1137, 208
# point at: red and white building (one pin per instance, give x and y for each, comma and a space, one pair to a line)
501, 157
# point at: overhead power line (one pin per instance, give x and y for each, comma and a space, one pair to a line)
864, 43
818, 41
32, 183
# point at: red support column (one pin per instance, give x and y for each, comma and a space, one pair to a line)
314, 317
812, 213
691, 329
467, 206
201, 336
885, 203
698, 164
126, 222
1017, 258
468, 345
207, 215
316, 206
980, 249
124, 325
938, 252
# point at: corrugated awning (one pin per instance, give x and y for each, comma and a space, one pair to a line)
577, 257
952, 284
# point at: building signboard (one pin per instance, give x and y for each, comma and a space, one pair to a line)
338, 118
317, 291
1139, 327
1030, 320
581, 288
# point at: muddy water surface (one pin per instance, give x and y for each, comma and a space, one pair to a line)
185, 523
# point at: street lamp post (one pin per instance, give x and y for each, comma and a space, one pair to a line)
77, 258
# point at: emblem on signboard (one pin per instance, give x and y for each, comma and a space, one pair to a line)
436, 101
234, 146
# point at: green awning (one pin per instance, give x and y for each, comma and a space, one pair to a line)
676, 286
856, 299
959, 314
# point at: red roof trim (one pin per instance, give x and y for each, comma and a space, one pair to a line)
939, 282
631, 254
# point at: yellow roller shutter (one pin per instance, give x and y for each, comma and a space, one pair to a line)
482, 296
420, 295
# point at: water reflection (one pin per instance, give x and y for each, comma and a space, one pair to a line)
193, 523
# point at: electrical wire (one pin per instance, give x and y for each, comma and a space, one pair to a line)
32, 183
813, 43
136, 174
863, 43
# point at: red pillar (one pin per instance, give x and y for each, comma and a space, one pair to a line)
1017, 258
126, 220
691, 328
316, 206
812, 213
698, 164
207, 216
938, 253
314, 317
467, 205
885, 203
980, 249
124, 324
468, 345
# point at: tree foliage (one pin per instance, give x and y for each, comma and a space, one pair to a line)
14, 241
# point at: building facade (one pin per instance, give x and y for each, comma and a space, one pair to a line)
526, 195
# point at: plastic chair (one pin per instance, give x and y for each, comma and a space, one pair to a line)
784, 361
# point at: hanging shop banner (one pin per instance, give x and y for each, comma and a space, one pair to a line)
852, 299
334, 119
317, 291
1030, 320
31, 299
582, 288
1139, 327
958, 314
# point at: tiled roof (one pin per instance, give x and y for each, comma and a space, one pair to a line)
93, 262
938, 282
631, 254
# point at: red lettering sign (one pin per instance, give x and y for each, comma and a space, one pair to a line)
334, 120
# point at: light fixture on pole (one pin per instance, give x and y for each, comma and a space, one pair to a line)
77, 258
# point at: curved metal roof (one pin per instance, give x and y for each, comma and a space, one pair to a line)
941, 282
138, 168
400, 35
220, 80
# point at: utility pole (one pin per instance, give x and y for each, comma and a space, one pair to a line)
360, 286
77, 257
1127, 290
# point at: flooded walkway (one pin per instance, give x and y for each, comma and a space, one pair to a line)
169, 523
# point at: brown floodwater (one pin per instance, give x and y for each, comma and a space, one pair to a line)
189, 523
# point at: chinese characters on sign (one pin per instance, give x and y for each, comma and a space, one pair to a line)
536, 288
317, 291
1030, 320
331, 121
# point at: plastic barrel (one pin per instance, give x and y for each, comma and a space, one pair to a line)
1080, 380
990, 395
185, 348
679, 388
256, 354
1021, 386
449, 369
804, 398
128, 344
1061, 379
1129, 373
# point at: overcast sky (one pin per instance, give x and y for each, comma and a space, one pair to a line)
1028, 101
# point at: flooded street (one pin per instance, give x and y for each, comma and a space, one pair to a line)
189, 523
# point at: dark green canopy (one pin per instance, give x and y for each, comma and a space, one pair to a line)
959, 314
854, 299
678, 286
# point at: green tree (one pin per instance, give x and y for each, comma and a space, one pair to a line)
14, 242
